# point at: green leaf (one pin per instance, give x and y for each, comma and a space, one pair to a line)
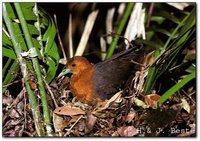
150, 80
51, 70
151, 77
27, 8
46, 41
171, 51
52, 61
5, 67
10, 74
8, 52
50, 48
33, 30
176, 87
169, 16
49, 37
6, 40
158, 19
191, 21
12, 14
163, 31
151, 44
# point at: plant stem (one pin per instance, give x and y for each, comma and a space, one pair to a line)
17, 47
37, 68
120, 29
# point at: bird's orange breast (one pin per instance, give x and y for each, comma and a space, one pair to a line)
82, 86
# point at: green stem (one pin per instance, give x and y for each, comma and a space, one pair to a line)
37, 68
17, 47
120, 29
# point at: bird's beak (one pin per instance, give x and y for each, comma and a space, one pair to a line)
64, 72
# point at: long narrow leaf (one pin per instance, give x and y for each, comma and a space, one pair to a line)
8, 53
174, 48
11, 73
176, 87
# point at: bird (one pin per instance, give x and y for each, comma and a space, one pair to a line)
97, 82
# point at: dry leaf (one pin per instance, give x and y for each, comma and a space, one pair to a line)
69, 111
136, 24
115, 98
20, 107
81, 126
130, 116
127, 131
151, 99
86, 33
58, 122
91, 120
149, 59
15, 122
139, 103
180, 5
7, 100
185, 105
113, 103
14, 114
115, 134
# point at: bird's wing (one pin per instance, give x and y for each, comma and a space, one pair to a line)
110, 75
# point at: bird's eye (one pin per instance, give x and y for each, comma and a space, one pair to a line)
73, 65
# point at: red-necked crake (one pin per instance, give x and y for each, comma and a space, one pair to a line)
102, 80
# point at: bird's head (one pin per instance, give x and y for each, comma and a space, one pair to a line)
76, 65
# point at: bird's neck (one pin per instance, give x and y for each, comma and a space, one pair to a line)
85, 69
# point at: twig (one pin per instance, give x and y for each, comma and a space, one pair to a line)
184, 92
136, 63
51, 93
25, 113
120, 29
188, 95
17, 81
59, 39
71, 51
119, 36
149, 14
18, 98
109, 23
68, 132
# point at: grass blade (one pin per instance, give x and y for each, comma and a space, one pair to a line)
176, 87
